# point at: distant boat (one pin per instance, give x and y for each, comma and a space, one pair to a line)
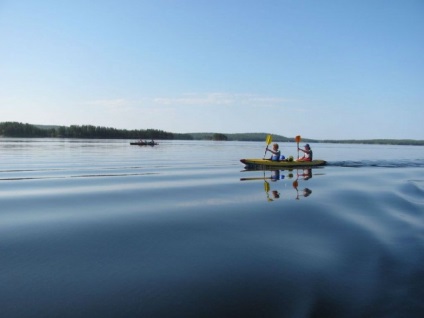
144, 143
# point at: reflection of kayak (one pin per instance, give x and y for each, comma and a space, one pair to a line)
143, 143
266, 163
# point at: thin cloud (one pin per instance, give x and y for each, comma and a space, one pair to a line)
191, 99
114, 105
110, 103
221, 99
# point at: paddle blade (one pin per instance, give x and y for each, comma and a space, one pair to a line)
266, 186
268, 139
298, 139
295, 184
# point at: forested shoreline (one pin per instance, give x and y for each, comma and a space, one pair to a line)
15, 129
21, 130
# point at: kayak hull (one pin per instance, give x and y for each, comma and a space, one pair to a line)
269, 164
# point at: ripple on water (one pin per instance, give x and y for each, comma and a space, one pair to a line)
120, 231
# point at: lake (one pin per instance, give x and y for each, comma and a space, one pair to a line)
99, 228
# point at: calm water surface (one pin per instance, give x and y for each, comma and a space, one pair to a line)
99, 228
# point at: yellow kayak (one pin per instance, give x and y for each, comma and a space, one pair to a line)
267, 163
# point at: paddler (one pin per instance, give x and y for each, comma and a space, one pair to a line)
275, 152
307, 153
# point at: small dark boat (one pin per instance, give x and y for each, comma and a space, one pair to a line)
144, 143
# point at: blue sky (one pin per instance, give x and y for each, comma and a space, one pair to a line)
320, 69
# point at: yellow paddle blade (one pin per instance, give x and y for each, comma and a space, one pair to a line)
298, 139
268, 139
266, 186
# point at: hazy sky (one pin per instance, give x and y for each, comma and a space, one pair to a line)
318, 68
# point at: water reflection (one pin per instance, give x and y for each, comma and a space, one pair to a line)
275, 180
304, 175
275, 193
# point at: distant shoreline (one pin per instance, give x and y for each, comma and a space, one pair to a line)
20, 130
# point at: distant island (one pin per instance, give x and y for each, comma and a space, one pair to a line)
21, 130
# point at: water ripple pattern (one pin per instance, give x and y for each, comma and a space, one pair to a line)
100, 228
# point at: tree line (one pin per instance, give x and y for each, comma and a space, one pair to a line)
16, 129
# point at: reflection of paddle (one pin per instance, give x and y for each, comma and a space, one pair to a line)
298, 139
295, 185
266, 187
268, 141
254, 178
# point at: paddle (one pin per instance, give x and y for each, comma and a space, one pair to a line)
295, 185
267, 188
298, 139
254, 178
268, 141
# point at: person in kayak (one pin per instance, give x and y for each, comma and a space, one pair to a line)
275, 152
307, 153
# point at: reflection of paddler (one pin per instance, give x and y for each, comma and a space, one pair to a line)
307, 174
275, 175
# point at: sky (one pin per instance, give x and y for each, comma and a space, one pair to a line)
320, 69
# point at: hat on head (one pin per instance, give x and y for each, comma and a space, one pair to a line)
307, 145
